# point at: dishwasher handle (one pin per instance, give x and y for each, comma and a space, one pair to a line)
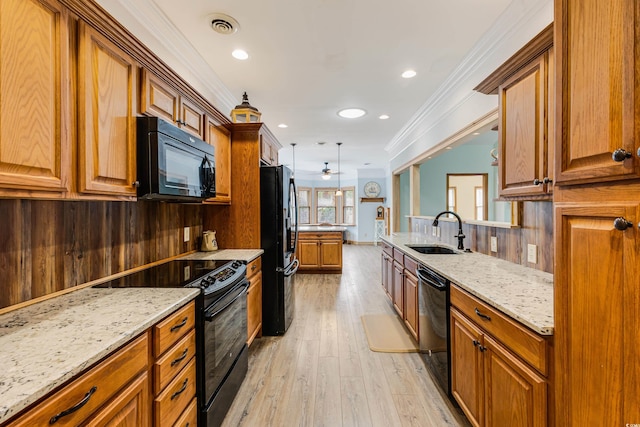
431, 279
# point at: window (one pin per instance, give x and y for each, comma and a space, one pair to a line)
331, 209
326, 205
451, 200
479, 202
304, 205
349, 205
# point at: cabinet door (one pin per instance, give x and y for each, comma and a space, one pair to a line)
265, 151
107, 82
331, 254
596, 44
387, 274
131, 407
254, 308
515, 395
522, 138
411, 303
597, 315
192, 117
467, 376
398, 302
220, 138
157, 98
35, 136
309, 253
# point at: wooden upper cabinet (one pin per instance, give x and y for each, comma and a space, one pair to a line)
220, 137
158, 98
268, 147
35, 140
597, 92
522, 140
107, 96
525, 88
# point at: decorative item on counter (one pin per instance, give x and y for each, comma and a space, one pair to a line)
209, 242
494, 156
245, 112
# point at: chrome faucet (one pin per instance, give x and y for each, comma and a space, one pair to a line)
460, 235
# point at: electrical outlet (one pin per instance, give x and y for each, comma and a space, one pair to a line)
186, 234
494, 243
187, 273
532, 254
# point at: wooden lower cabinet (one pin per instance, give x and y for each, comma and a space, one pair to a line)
254, 300
320, 252
149, 381
398, 288
387, 270
410, 299
490, 381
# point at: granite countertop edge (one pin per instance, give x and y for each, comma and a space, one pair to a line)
246, 255
89, 326
520, 292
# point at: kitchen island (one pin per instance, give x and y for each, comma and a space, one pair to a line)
320, 248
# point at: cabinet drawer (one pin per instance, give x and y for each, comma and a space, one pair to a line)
172, 402
174, 327
528, 345
398, 256
387, 248
253, 267
94, 388
173, 361
321, 235
410, 264
189, 417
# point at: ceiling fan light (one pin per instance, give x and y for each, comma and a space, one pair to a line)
326, 176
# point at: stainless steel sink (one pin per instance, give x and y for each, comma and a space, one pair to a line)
433, 249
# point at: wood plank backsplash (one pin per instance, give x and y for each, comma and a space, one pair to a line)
536, 229
48, 246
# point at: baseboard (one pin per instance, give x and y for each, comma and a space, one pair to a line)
352, 242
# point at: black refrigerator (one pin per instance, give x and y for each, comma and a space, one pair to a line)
279, 238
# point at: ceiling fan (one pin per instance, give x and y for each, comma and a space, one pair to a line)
326, 172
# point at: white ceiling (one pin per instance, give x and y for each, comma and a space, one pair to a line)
310, 58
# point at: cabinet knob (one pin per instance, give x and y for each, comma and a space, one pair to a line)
547, 180
537, 182
621, 224
135, 184
476, 343
482, 348
620, 155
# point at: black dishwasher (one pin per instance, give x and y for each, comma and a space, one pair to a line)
433, 305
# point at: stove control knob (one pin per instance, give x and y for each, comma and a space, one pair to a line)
236, 264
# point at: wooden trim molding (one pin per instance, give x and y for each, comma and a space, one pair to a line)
529, 52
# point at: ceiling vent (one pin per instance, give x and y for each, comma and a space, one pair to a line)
224, 24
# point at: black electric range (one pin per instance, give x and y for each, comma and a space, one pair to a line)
221, 325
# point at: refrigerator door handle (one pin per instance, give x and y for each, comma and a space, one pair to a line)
292, 183
291, 269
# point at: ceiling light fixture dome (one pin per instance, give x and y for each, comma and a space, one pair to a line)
383, 117
351, 113
240, 54
409, 74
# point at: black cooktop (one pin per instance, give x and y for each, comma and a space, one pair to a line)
172, 274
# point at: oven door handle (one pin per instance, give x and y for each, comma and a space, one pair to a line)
209, 315
424, 276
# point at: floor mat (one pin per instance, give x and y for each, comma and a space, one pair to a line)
386, 333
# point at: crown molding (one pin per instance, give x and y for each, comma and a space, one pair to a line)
144, 18
513, 28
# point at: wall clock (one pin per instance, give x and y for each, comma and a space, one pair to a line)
372, 189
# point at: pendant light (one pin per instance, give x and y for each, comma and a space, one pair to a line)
339, 192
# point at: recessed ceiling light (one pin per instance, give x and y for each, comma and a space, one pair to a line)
282, 125
408, 74
240, 54
367, 164
320, 143
476, 133
384, 117
352, 113
448, 148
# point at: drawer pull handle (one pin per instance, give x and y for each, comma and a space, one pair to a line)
179, 392
75, 407
476, 343
181, 358
179, 325
482, 348
482, 315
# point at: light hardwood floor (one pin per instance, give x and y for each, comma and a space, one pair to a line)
322, 373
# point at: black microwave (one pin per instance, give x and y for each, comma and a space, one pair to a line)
173, 165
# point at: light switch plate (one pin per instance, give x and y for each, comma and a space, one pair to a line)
186, 234
494, 243
532, 254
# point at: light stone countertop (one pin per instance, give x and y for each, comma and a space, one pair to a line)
45, 344
522, 293
246, 255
